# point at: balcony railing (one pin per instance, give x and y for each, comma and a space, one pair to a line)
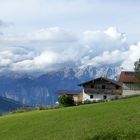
103, 91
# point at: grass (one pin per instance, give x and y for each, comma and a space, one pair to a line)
116, 120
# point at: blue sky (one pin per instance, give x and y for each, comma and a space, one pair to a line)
42, 29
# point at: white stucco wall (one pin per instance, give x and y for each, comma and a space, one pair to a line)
131, 92
130, 89
75, 98
97, 97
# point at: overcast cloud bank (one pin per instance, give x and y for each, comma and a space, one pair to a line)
52, 48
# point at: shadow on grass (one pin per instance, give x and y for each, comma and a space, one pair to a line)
116, 136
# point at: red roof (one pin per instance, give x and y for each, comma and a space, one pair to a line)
127, 77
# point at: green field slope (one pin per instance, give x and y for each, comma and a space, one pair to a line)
116, 120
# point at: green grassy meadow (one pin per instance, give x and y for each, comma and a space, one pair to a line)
115, 120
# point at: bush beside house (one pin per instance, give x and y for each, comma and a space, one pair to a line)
65, 100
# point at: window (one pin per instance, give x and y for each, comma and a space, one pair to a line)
104, 97
91, 96
103, 86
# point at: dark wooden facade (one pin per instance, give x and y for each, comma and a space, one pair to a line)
102, 86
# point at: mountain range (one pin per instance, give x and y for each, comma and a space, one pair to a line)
9, 105
43, 89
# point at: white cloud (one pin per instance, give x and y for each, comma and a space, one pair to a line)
54, 34
39, 62
51, 48
40, 38
5, 58
106, 58
126, 58
114, 33
109, 40
132, 55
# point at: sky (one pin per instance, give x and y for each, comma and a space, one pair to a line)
38, 35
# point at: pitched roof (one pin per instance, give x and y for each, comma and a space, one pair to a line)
70, 92
102, 78
128, 77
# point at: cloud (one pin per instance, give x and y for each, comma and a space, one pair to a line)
5, 58
40, 62
5, 24
54, 36
132, 55
106, 58
125, 58
108, 40
52, 48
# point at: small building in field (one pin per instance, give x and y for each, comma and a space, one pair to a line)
105, 89
76, 94
101, 89
129, 83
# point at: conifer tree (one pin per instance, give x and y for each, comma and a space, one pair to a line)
137, 70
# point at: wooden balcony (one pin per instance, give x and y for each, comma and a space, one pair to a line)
103, 91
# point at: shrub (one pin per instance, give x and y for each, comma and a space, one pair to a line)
65, 100
87, 102
42, 108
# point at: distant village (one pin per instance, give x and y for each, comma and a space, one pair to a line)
103, 88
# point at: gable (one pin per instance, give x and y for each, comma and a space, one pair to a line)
101, 80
